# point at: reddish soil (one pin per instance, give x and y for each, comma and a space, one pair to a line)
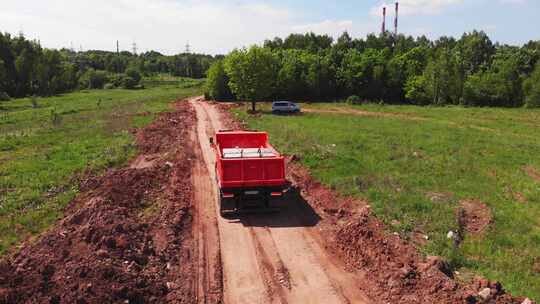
533, 173
126, 238
395, 272
149, 233
476, 216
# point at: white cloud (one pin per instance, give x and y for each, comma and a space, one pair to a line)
513, 1
415, 7
211, 26
330, 27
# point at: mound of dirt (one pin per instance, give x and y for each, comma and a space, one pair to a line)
476, 216
125, 239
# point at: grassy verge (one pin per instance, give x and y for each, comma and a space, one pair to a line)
43, 144
400, 158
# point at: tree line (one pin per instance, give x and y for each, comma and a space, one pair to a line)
470, 71
26, 68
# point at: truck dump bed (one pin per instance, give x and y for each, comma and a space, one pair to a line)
245, 159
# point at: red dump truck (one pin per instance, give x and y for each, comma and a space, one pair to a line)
250, 173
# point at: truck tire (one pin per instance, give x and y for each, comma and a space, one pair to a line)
227, 214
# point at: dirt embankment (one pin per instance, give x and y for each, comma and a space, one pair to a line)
394, 271
126, 238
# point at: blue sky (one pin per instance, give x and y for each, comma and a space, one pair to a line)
218, 26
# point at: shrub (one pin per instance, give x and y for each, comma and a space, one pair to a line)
129, 83
354, 100
93, 79
133, 73
4, 96
109, 86
531, 88
217, 86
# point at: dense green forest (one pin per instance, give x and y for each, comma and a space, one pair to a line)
26, 68
471, 70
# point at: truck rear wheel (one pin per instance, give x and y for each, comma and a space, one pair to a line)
224, 212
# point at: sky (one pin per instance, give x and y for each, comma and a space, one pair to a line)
219, 26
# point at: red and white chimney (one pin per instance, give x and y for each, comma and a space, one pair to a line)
384, 20
396, 20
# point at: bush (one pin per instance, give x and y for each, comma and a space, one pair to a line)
217, 87
354, 100
4, 96
129, 83
416, 90
133, 73
109, 86
531, 88
93, 79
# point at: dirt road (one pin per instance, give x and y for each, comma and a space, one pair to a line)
266, 258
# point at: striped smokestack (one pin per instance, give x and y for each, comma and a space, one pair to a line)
384, 20
396, 19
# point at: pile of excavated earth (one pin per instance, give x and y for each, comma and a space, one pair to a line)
125, 238
128, 237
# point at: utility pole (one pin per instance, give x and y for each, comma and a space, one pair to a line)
117, 63
134, 48
188, 48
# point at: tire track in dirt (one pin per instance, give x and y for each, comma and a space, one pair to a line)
242, 278
271, 258
209, 274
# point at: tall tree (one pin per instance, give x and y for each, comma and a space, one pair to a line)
217, 82
253, 73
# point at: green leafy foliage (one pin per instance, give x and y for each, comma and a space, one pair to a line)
93, 79
387, 68
532, 88
28, 69
134, 74
217, 83
252, 73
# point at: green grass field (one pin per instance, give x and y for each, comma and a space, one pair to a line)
398, 157
43, 146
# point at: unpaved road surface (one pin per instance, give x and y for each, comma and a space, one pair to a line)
271, 258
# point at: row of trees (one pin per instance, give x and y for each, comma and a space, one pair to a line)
28, 69
471, 70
